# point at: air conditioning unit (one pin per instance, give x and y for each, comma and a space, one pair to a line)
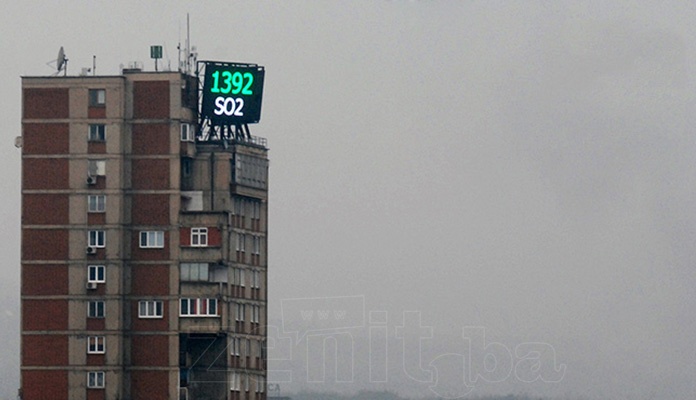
91, 180
91, 250
91, 285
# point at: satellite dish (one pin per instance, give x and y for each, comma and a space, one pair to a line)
61, 60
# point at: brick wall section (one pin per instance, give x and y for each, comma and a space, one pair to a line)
45, 138
150, 139
45, 209
150, 385
150, 209
151, 99
44, 244
46, 103
41, 315
185, 236
45, 173
150, 174
96, 394
150, 350
214, 237
96, 112
150, 280
95, 359
44, 280
44, 350
44, 385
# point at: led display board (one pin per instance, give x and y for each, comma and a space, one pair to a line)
232, 93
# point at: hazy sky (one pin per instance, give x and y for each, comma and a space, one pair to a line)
525, 167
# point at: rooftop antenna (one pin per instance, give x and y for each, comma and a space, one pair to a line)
188, 46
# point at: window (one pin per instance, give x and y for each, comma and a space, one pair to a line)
235, 343
198, 307
96, 239
97, 132
249, 171
256, 245
241, 245
236, 380
96, 203
256, 210
96, 168
260, 383
151, 239
238, 277
238, 208
187, 133
95, 273
97, 97
95, 380
256, 279
186, 167
95, 345
199, 237
95, 309
150, 309
239, 317
255, 314
194, 272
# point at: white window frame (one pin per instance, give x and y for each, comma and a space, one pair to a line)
96, 273
235, 343
235, 382
96, 133
96, 380
151, 239
96, 238
96, 167
238, 208
260, 383
97, 97
255, 314
96, 203
240, 310
199, 237
150, 309
256, 279
187, 132
189, 307
242, 277
256, 210
96, 344
94, 307
241, 242
256, 245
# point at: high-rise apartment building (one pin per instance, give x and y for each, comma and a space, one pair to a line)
144, 263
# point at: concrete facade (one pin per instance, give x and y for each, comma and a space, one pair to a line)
144, 253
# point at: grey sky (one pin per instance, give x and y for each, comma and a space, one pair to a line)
526, 167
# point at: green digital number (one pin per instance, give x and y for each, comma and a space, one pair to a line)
216, 77
232, 82
247, 89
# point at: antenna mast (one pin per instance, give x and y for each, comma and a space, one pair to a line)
188, 46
